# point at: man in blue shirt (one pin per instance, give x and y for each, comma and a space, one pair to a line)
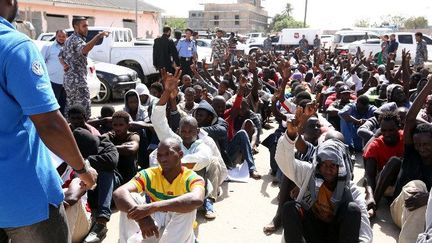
30, 187
187, 51
56, 68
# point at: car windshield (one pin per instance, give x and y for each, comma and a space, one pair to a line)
337, 38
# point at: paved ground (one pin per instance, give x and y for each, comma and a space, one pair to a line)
244, 208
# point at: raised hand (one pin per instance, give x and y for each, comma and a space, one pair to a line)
171, 81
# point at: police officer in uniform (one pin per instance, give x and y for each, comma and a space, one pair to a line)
187, 52
74, 59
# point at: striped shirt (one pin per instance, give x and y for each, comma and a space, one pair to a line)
153, 183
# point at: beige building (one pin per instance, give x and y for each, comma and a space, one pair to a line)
241, 17
51, 15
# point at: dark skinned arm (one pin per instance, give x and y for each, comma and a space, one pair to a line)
129, 148
56, 135
73, 193
181, 204
89, 46
410, 122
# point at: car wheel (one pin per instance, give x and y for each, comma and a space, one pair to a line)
104, 94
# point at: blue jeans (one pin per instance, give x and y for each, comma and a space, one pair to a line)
54, 229
240, 144
100, 198
350, 134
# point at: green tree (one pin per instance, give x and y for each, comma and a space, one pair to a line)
176, 23
362, 23
416, 23
287, 22
284, 20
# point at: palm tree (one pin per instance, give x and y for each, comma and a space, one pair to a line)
288, 10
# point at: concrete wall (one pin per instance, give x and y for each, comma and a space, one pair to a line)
250, 18
149, 24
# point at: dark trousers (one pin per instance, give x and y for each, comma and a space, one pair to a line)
185, 64
240, 144
302, 228
54, 229
100, 198
60, 95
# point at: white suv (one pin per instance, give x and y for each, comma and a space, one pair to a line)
342, 38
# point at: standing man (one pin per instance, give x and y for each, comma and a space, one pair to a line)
164, 52
393, 45
421, 52
232, 47
74, 56
56, 68
384, 48
304, 44
31, 203
187, 51
317, 42
267, 45
219, 47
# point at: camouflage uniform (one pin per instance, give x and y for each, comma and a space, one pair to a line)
421, 54
75, 78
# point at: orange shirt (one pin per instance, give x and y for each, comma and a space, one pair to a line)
323, 207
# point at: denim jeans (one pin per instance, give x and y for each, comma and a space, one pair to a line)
54, 229
350, 134
100, 198
240, 144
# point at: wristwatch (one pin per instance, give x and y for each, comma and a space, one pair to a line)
84, 169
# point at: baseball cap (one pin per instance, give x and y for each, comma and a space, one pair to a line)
344, 89
142, 89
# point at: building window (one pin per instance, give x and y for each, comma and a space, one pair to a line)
193, 15
237, 20
216, 20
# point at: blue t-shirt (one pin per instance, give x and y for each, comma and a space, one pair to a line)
28, 181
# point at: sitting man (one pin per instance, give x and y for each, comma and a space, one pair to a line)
140, 123
415, 180
188, 106
175, 193
238, 137
352, 117
103, 157
328, 207
103, 122
127, 144
200, 151
77, 118
382, 160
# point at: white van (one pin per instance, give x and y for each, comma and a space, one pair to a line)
342, 38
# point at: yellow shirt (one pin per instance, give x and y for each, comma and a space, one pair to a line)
153, 183
323, 207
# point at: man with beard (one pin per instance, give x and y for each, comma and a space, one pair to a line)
31, 205
74, 56
56, 68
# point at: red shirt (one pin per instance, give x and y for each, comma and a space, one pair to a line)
381, 152
229, 119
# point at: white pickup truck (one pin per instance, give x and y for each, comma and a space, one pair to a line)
120, 48
406, 41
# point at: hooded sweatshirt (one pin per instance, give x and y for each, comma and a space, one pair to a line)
306, 176
142, 114
218, 130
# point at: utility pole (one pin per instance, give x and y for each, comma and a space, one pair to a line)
136, 18
304, 21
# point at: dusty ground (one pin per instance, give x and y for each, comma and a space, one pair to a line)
244, 208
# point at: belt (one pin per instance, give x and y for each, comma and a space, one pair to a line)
186, 58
